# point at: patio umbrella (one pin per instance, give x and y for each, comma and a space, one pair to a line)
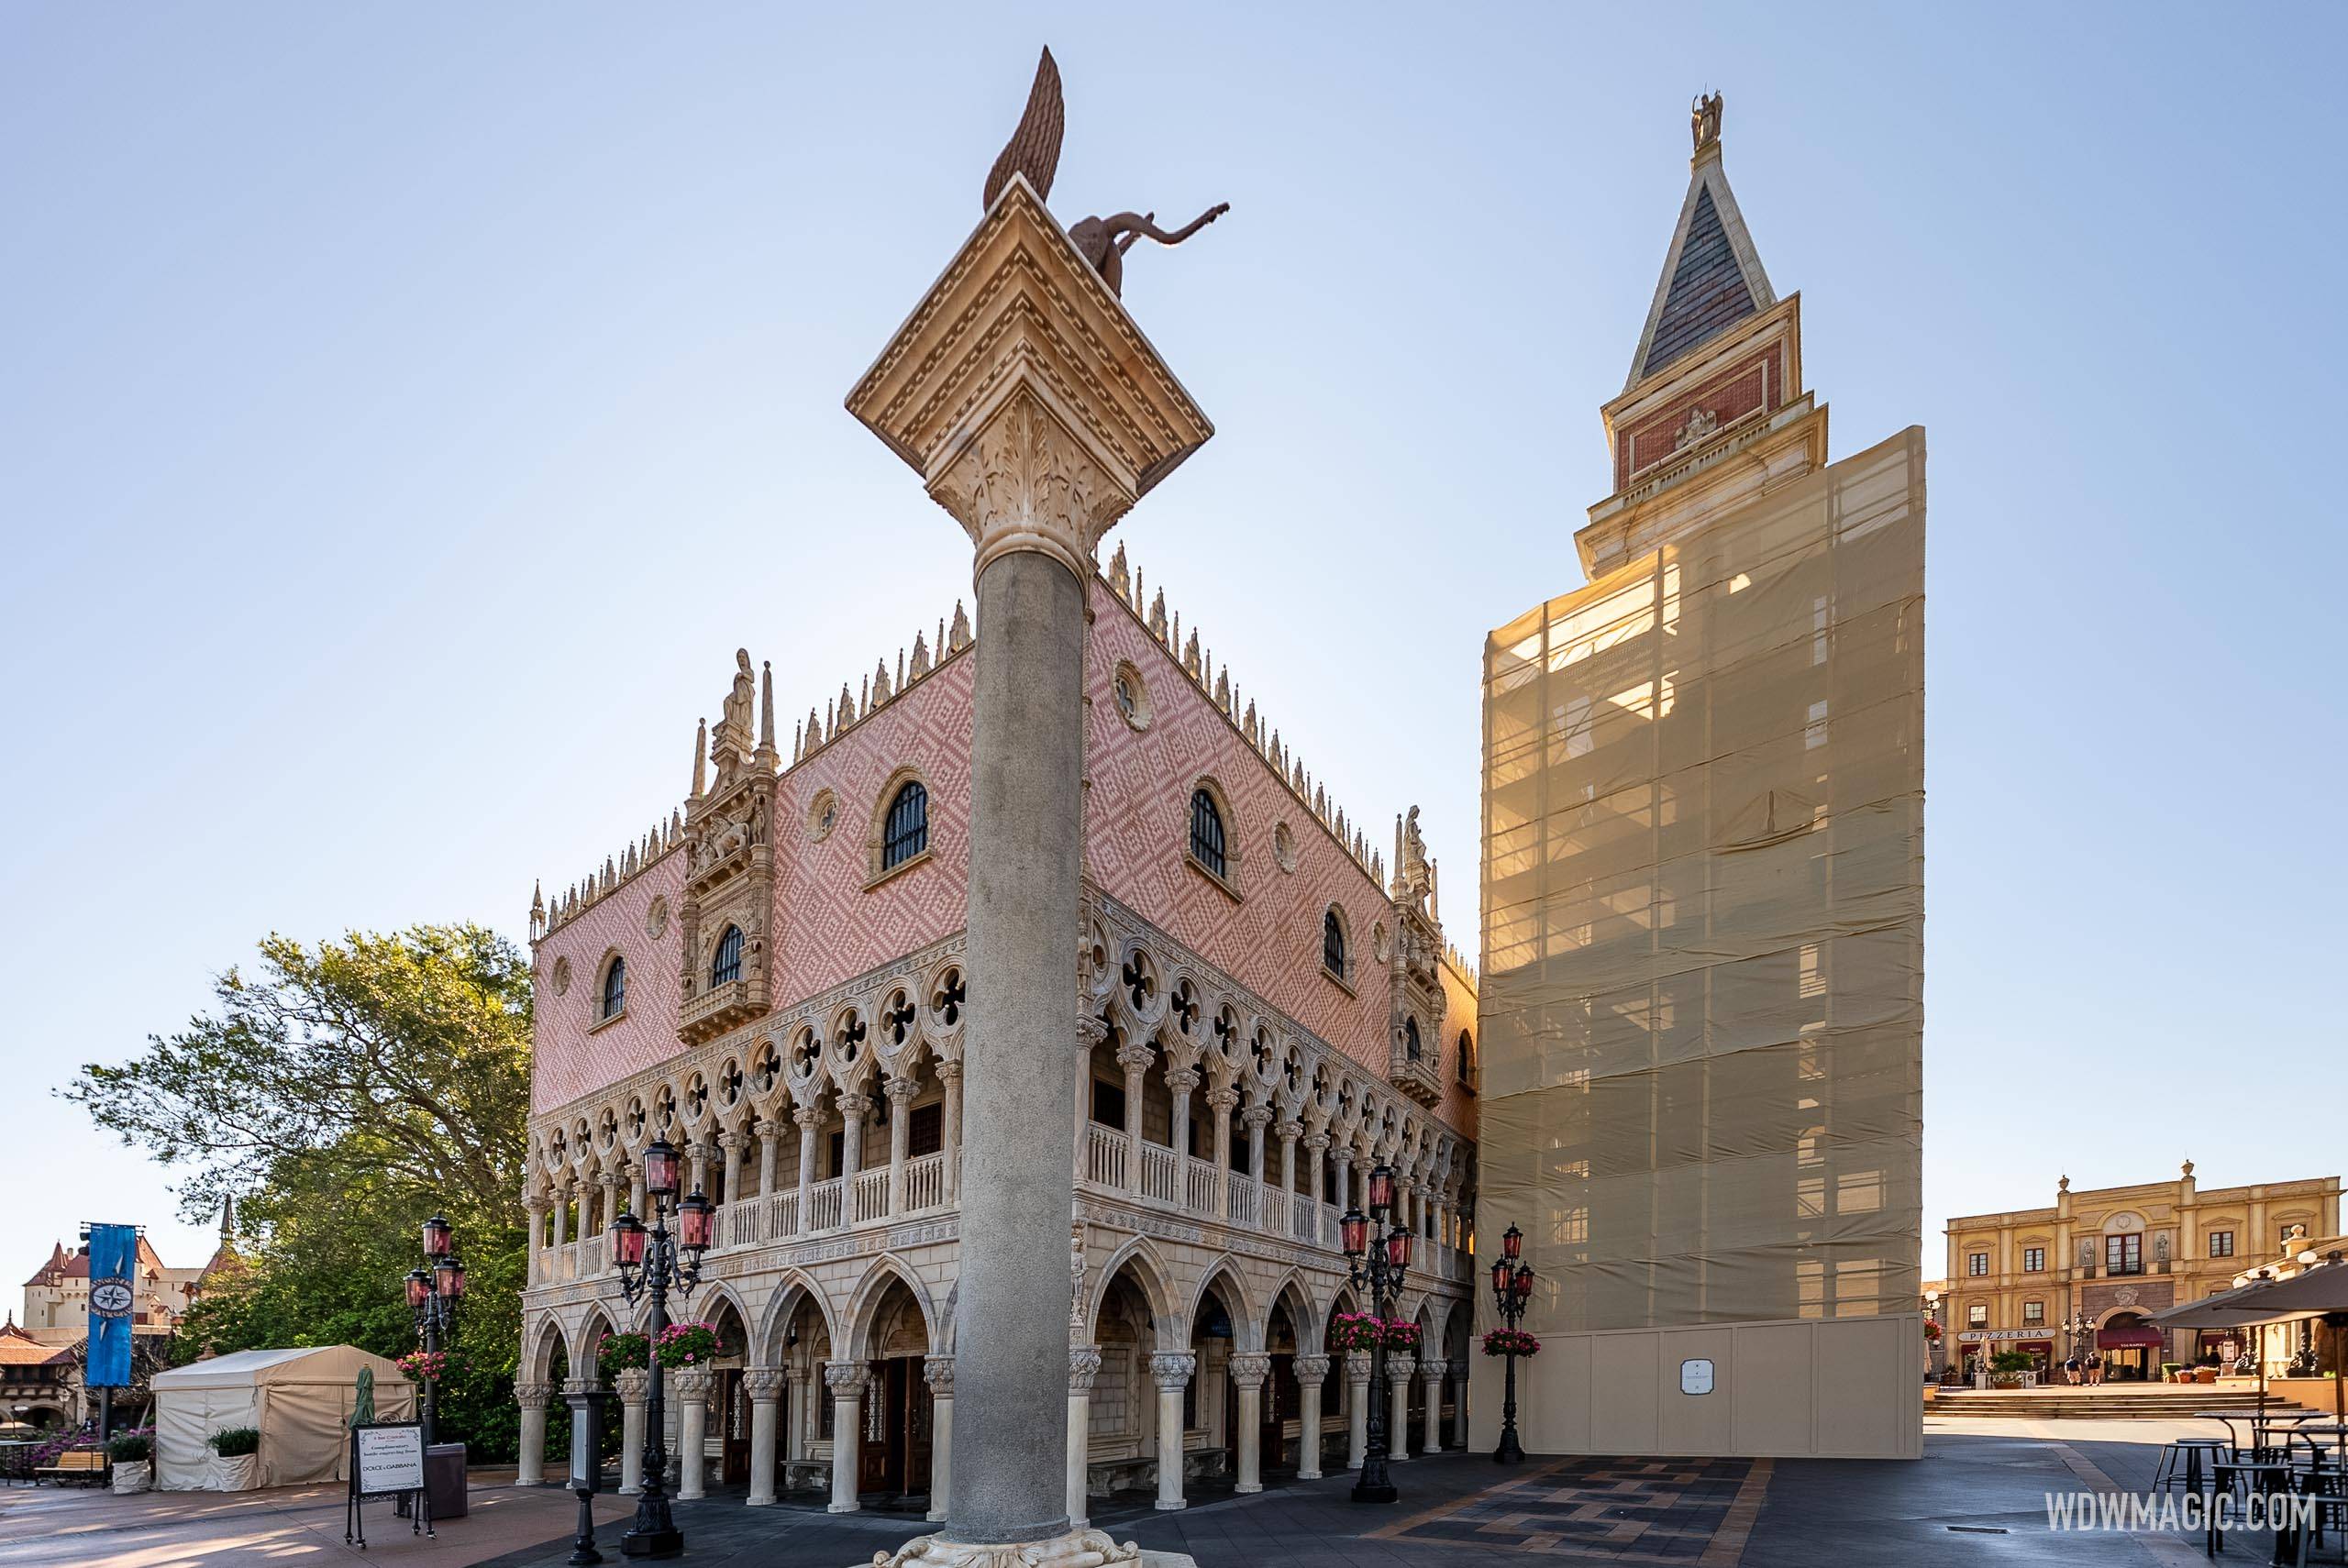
2320, 1291
2235, 1309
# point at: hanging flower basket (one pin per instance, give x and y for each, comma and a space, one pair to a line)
619, 1352
1932, 1331
688, 1345
1510, 1342
1362, 1332
434, 1365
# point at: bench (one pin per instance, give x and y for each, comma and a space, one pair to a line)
74, 1464
806, 1475
1139, 1473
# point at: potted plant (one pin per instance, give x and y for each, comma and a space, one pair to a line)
2169, 1369
686, 1344
1510, 1342
2007, 1366
133, 1455
236, 1464
618, 1352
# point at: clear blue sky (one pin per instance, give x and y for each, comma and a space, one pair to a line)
405, 412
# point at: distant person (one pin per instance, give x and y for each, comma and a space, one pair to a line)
2071, 1370
2095, 1369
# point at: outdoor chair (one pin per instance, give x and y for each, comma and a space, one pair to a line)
2190, 1463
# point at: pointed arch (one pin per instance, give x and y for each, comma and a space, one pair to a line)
1150, 1277
863, 1306
544, 1338
1304, 1322
782, 1306
590, 1333
1243, 1315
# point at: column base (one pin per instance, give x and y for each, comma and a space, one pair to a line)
1164, 1507
844, 1507
1308, 1476
1077, 1549
758, 1502
1246, 1487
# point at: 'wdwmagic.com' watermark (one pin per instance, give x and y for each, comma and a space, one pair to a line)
2168, 1512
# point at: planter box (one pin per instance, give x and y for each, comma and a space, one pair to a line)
241, 1473
133, 1475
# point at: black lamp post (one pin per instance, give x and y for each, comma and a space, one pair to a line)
1379, 1262
433, 1292
1511, 1288
654, 1259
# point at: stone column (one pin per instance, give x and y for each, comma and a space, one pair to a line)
537, 1239
697, 1165
1310, 1371
634, 1384
1134, 1057
1289, 1131
733, 1142
1083, 1366
1344, 1155
1220, 1100
1179, 1082
938, 1371
1257, 1117
809, 1118
770, 1133
853, 1108
690, 1388
1315, 1143
764, 1386
562, 1216
800, 1415
845, 1379
636, 1189
1248, 1369
1171, 1373
949, 1076
1459, 1406
1431, 1372
607, 1207
1356, 1409
900, 1091
1398, 1392
532, 1397
1077, 419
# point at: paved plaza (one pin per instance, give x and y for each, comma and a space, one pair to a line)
1976, 1498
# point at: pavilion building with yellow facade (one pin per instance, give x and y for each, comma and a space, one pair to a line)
2085, 1273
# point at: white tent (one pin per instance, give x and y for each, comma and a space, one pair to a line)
299, 1400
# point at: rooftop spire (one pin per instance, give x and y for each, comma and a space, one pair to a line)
1712, 274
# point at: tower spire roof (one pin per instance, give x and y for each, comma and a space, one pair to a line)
1712, 277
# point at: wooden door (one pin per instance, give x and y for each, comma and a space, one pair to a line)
1280, 1409
880, 1404
917, 1424
734, 1421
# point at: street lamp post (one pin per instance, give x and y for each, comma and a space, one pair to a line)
652, 1259
433, 1292
1379, 1262
1511, 1288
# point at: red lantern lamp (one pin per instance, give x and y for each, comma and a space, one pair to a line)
660, 1168
627, 1240
419, 1287
1524, 1281
1500, 1276
1398, 1248
449, 1278
437, 1237
695, 1219
1381, 1188
1355, 1229
1512, 1243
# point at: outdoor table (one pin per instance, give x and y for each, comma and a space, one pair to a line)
2337, 1436
2257, 1419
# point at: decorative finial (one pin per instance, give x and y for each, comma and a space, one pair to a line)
961, 632
1704, 120
2189, 1167
921, 657
700, 760
1034, 150
766, 707
2061, 1184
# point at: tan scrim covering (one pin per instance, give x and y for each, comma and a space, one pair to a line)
1704, 920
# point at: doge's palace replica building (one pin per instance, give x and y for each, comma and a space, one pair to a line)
1246, 1005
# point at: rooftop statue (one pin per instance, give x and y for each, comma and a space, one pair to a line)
1704, 120
1034, 151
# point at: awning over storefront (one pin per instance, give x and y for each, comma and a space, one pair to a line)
2128, 1338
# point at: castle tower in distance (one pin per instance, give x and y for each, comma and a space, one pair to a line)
1701, 1009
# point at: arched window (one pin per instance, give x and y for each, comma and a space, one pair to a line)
1466, 1066
1207, 832
906, 833
725, 965
616, 987
1333, 942
1410, 1047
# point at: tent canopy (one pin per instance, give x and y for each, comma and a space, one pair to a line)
299, 1399
2320, 1289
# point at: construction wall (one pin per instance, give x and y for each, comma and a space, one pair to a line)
1702, 982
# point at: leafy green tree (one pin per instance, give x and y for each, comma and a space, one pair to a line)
342, 1093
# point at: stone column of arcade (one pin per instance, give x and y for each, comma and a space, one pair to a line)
764, 1386
532, 1397
1036, 414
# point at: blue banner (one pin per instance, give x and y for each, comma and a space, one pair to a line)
113, 1257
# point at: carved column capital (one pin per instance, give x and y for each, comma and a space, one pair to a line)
1136, 1055
583, 1385
731, 1139
1289, 1130
938, 1371
634, 1383
533, 1395
1317, 1140
1358, 1365
1223, 1097
1172, 1370
1090, 1031
900, 1090
691, 1382
1250, 1368
1432, 1373
1256, 1116
948, 1070
1026, 483
808, 1116
1310, 1368
763, 1384
1182, 1080
1083, 1366
767, 1129
845, 1377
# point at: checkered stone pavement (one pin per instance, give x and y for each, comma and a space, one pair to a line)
1614, 1511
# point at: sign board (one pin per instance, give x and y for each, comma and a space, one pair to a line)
386, 1458
1976, 1336
1696, 1376
386, 1461
113, 1255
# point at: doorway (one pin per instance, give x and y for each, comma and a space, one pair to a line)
894, 1460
